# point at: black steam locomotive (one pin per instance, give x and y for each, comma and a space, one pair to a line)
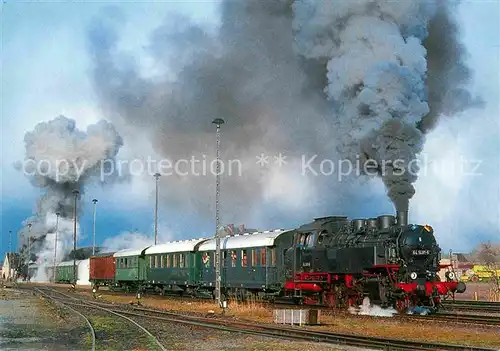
338, 262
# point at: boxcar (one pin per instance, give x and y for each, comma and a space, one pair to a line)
173, 266
251, 263
130, 269
102, 269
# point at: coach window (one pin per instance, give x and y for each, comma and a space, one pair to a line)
243, 258
181, 260
233, 258
162, 262
186, 260
150, 261
224, 255
156, 262
126, 263
273, 257
254, 257
168, 261
174, 265
263, 257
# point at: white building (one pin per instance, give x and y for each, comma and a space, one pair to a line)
10, 263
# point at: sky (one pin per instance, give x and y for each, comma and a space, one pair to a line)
46, 72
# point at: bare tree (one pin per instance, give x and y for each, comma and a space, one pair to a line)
487, 254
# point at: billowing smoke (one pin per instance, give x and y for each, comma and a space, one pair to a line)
394, 67
60, 159
342, 79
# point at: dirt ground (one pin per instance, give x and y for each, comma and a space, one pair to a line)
30, 323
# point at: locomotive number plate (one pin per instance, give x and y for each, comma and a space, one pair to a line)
421, 252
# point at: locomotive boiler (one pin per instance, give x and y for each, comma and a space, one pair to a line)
338, 262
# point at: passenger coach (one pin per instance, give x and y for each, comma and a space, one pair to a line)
174, 266
131, 269
251, 263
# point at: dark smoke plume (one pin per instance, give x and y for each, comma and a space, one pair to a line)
60, 159
335, 78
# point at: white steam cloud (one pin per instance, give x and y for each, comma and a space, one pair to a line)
60, 159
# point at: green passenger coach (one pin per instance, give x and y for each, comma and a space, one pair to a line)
173, 266
131, 268
250, 262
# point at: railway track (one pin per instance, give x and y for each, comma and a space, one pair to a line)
471, 305
283, 332
65, 305
71, 300
462, 318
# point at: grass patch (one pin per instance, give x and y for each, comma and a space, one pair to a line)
112, 333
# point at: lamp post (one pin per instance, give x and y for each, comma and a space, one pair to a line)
76, 193
218, 122
93, 228
29, 246
21, 243
29, 250
55, 245
157, 177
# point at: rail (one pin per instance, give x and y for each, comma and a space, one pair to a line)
282, 332
92, 331
79, 302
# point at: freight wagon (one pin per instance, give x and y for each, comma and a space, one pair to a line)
102, 269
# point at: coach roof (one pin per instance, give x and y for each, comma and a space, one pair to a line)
130, 252
175, 246
240, 241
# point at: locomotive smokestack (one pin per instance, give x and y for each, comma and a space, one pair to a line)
402, 212
402, 217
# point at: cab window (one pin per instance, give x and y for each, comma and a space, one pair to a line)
311, 237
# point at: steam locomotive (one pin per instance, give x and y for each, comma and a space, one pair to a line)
338, 262
331, 261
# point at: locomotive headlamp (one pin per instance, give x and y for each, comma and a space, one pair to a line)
413, 275
428, 228
450, 275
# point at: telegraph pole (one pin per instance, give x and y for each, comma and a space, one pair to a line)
10, 241
93, 229
76, 193
157, 177
55, 245
218, 122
